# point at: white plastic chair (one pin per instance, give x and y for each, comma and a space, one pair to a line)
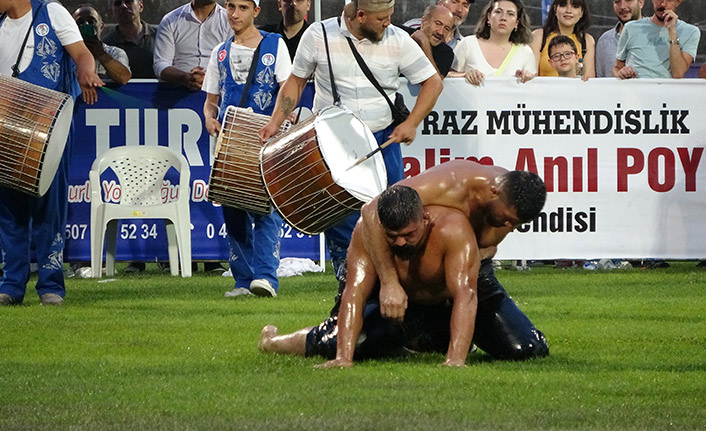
140, 171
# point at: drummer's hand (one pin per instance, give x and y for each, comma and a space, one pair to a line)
393, 301
88, 82
213, 126
268, 131
404, 133
196, 76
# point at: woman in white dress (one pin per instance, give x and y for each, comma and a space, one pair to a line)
500, 46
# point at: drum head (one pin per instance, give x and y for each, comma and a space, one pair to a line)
56, 144
343, 140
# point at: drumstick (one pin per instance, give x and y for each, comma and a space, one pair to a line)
370, 154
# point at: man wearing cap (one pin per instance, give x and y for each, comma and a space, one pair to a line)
388, 52
254, 251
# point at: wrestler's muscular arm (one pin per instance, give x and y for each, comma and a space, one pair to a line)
461, 263
289, 94
360, 281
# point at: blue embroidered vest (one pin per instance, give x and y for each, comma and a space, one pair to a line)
51, 66
263, 90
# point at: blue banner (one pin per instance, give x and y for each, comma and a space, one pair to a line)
148, 112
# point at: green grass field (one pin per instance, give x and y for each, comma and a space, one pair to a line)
153, 352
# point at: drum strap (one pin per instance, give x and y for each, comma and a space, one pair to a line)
334, 90
16, 66
251, 74
396, 114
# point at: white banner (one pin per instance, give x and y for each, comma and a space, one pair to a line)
623, 161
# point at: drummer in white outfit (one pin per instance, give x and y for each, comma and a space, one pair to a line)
388, 51
499, 47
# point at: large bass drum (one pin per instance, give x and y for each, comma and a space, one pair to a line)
308, 171
235, 177
34, 125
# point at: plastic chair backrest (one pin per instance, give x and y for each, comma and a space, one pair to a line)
141, 170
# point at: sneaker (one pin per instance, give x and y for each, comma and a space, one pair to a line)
6, 299
134, 267
51, 299
238, 291
262, 287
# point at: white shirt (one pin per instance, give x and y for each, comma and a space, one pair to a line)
468, 55
13, 31
240, 60
396, 53
185, 42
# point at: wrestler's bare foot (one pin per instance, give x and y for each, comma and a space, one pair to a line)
266, 336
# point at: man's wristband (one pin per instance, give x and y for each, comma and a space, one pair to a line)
674, 41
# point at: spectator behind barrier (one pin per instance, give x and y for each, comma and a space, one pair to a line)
436, 26
293, 23
563, 56
607, 45
500, 45
133, 35
459, 9
111, 61
185, 38
661, 46
570, 18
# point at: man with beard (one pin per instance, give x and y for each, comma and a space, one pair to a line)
459, 9
436, 25
607, 45
293, 23
661, 46
434, 253
388, 52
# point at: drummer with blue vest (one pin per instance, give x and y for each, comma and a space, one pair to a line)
254, 251
41, 44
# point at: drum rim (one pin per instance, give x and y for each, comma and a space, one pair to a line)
56, 144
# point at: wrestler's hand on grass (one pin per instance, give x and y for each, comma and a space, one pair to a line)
393, 301
335, 363
404, 133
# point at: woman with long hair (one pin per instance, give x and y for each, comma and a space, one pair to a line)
499, 46
569, 18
